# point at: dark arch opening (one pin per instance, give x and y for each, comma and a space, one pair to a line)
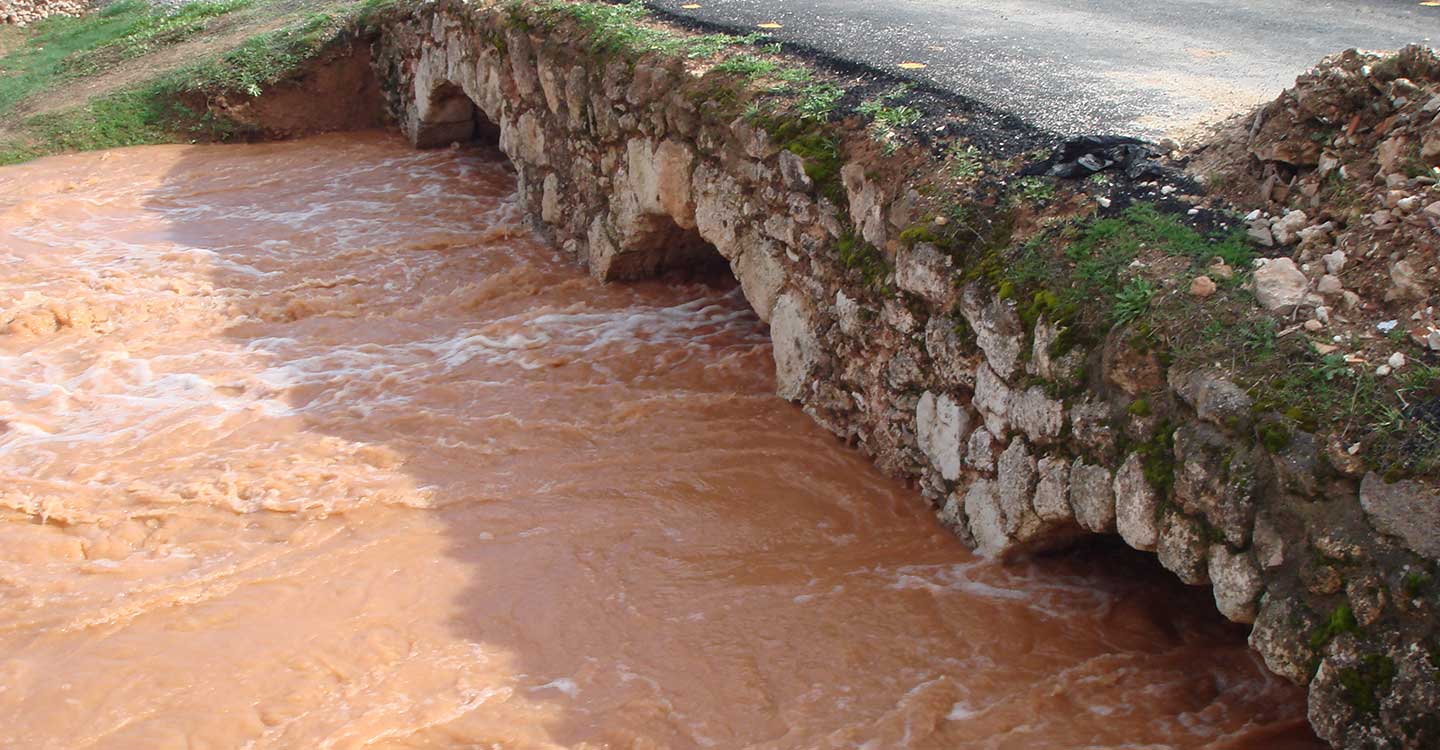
660, 246
453, 118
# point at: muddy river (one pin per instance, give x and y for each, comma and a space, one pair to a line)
313, 445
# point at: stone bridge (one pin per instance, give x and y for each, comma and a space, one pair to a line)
635, 165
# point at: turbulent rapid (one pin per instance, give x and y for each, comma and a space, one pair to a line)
312, 445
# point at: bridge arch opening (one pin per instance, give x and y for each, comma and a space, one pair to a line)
449, 116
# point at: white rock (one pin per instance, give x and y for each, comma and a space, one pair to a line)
992, 399
796, 346
1052, 503
1236, 581
1396, 361
1092, 496
942, 425
1278, 283
998, 329
923, 271
987, 522
1037, 415
1136, 506
847, 312
1286, 229
1015, 485
980, 450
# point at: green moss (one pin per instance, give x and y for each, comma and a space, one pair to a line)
858, 255
1273, 435
1140, 407
1341, 621
1157, 459
1414, 583
1365, 685
817, 145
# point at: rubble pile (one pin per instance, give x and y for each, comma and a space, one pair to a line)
25, 12
1342, 170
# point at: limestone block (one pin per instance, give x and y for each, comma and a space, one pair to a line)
1136, 506
1215, 399
992, 399
998, 329
1037, 415
717, 208
986, 520
980, 450
1092, 497
796, 345
1052, 491
761, 276
1015, 486
1281, 634
1236, 581
1216, 479
924, 271
942, 425
1182, 548
866, 200
1406, 510
550, 200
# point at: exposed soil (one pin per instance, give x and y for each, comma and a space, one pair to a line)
336, 92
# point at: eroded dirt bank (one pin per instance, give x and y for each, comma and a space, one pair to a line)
312, 445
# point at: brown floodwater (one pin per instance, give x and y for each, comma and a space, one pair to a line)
313, 445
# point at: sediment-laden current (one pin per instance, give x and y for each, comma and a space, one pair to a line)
312, 445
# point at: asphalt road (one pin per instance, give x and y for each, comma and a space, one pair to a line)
1132, 67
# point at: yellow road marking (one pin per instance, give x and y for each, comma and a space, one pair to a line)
912, 65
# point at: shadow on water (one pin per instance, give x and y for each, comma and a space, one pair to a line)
595, 527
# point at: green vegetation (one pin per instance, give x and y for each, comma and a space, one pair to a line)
61, 48
262, 60
620, 29
812, 141
165, 104
1274, 435
1319, 393
1133, 301
1366, 684
1415, 583
966, 163
887, 117
751, 67
1341, 621
149, 30
1032, 191
817, 101
858, 255
1157, 459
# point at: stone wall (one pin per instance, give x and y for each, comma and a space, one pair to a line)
628, 165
